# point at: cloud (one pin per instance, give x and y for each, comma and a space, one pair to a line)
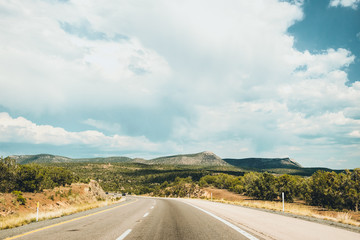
345, 3
319, 87
103, 125
187, 76
83, 31
21, 130
70, 67
355, 134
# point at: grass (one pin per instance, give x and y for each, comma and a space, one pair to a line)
296, 208
17, 220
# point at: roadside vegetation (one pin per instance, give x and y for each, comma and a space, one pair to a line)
325, 189
330, 191
32, 177
57, 189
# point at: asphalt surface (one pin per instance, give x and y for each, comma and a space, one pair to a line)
172, 219
138, 218
266, 225
159, 218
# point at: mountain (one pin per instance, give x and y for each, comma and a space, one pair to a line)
40, 158
48, 158
197, 159
104, 159
264, 163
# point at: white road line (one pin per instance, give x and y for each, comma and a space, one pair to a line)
248, 235
145, 215
124, 234
152, 207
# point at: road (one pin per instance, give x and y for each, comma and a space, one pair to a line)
158, 218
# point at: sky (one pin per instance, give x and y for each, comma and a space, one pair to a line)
260, 78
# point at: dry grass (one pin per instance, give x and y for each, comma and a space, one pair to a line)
53, 203
297, 208
17, 220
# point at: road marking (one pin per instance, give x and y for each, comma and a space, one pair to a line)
246, 234
152, 207
145, 215
124, 234
71, 220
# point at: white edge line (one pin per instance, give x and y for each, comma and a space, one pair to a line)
152, 207
246, 234
124, 234
145, 215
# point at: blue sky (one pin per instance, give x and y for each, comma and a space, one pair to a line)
238, 78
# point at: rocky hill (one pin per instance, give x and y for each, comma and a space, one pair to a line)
263, 163
48, 158
197, 159
40, 158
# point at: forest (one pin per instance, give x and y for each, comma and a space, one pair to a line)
323, 188
326, 189
32, 177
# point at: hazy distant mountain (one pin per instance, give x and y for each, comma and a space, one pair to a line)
48, 158
263, 163
198, 159
40, 158
104, 159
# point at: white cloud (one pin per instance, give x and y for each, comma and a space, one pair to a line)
21, 130
324, 63
215, 76
51, 68
345, 3
355, 133
319, 85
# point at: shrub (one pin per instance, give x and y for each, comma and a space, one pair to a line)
19, 197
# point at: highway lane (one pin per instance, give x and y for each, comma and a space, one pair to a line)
159, 218
172, 219
104, 225
268, 225
145, 218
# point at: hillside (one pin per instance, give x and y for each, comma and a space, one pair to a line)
48, 158
56, 202
40, 158
263, 163
197, 159
205, 159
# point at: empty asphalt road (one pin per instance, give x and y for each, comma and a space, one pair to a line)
158, 218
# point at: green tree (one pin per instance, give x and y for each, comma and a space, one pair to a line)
325, 190
7, 174
287, 184
354, 190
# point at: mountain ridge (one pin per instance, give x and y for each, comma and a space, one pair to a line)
199, 159
264, 163
205, 158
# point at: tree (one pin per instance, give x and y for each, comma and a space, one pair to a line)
287, 184
7, 174
354, 191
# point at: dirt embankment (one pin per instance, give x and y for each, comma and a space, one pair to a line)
52, 203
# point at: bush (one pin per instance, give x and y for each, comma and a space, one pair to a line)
19, 197
32, 177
